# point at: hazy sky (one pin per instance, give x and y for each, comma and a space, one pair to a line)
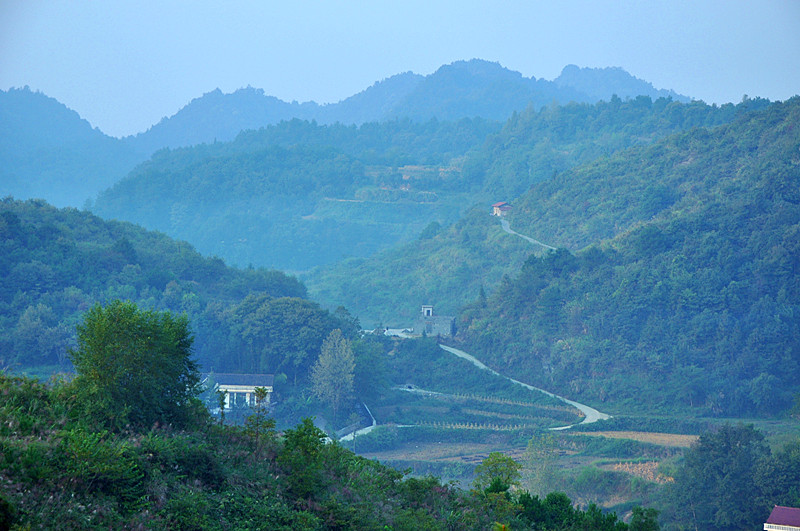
123, 65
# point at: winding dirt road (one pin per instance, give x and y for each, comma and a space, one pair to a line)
590, 413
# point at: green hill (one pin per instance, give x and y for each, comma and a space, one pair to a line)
690, 295
298, 194
48, 151
448, 266
56, 263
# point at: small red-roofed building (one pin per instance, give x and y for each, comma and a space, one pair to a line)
501, 209
783, 519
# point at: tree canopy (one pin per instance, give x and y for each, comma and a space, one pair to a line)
135, 366
333, 374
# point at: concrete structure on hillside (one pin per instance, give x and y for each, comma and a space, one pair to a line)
434, 325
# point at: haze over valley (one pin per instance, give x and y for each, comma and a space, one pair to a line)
469, 298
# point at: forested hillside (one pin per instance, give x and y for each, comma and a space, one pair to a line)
56, 264
535, 145
299, 194
448, 267
48, 151
692, 303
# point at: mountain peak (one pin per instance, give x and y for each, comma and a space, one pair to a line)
600, 83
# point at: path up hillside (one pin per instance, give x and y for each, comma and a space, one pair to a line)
687, 300
447, 267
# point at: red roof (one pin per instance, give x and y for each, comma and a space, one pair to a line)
784, 516
501, 203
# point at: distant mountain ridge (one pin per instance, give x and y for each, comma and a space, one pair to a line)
599, 83
463, 89
48, 151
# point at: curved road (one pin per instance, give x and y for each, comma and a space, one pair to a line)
590, 413
507, 228
363, 431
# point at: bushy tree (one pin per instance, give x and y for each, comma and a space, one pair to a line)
497, 470
134, 366
301, 458
715, 488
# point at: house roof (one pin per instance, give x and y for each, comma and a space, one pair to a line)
501, 203
784, 516
255, 380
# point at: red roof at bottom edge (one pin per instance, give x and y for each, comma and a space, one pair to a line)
784, 516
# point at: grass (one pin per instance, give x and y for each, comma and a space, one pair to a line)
661, 439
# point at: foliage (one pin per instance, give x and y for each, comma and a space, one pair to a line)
538, 471
298, 194
555, 511
451, 267
268, 334
210, 477
731, 480
57, 263
692, 309
333, 374
498, 472
260, 427
134, 366
302, 457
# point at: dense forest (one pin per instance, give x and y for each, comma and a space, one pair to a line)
693, 304
56, 263
474, 252
299, 194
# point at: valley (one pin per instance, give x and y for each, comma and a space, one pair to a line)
624, 324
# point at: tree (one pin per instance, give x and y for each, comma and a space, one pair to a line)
258, 425
497, 470
301, 458
333, 374
134, 366
644, 519
716, 485
539, 472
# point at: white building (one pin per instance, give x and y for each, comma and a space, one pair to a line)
240, 388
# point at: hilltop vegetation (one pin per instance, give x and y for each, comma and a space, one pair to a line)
57, 263
532, 147
463, 89
692, 305
210, 476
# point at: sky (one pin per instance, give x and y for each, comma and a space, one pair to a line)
123, 65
